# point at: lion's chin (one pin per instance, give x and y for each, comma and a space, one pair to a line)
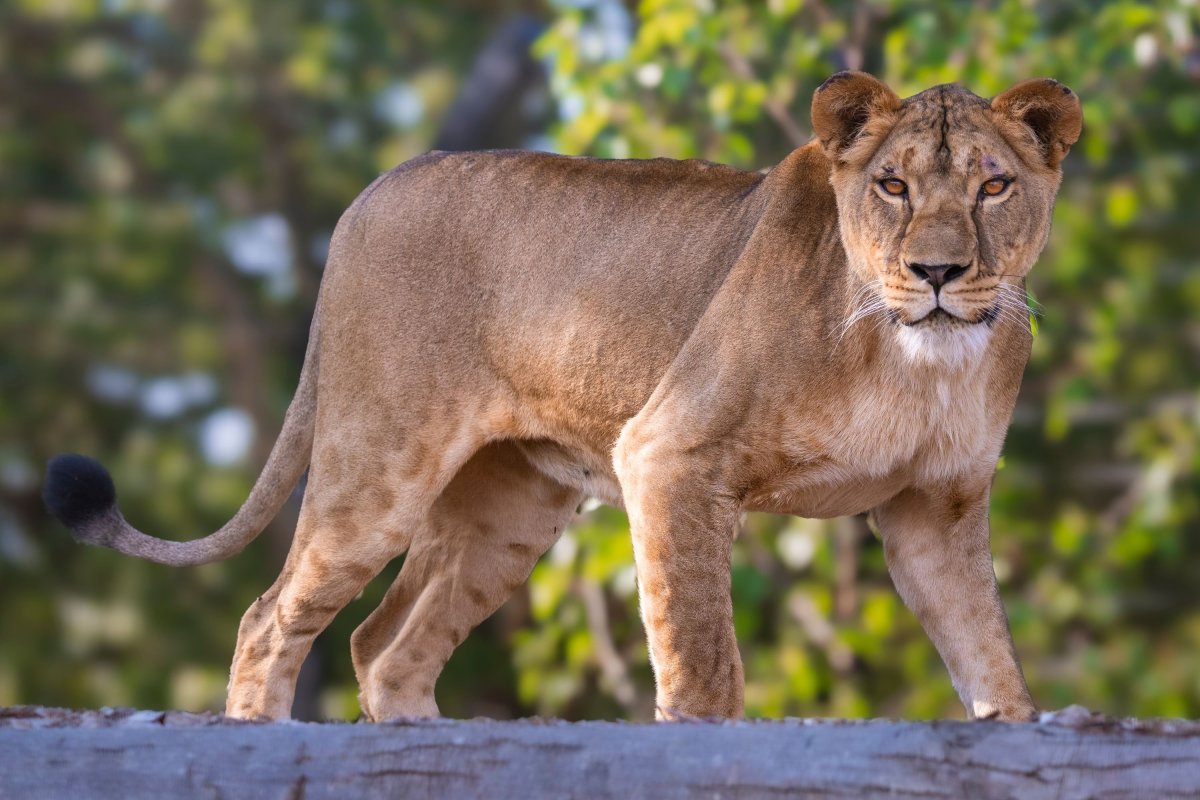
944, 340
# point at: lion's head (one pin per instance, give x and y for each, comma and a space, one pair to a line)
944, 200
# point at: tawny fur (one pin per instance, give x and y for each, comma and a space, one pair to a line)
503, 334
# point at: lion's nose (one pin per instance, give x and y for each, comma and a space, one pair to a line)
937, 275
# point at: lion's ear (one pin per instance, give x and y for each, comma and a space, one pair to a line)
1050, 110
843, 106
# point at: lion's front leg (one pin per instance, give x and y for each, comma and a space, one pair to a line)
937, 548
682, 537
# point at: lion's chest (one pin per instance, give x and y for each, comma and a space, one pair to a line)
933, 428
877, 439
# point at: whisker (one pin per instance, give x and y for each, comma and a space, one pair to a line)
1013, 298
864, 304
1017, 316
880, 321
867, 303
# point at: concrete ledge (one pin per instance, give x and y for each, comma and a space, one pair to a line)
54, 753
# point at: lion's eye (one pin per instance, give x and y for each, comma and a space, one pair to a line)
994, 187
893, 186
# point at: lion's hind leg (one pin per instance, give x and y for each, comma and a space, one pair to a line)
361, 510
479, 543
278, 630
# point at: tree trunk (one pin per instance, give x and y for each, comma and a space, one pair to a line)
50, 753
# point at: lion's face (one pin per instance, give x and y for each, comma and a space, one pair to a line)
944, 199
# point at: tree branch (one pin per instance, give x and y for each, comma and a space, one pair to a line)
775, 109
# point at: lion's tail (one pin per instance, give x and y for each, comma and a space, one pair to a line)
79, 491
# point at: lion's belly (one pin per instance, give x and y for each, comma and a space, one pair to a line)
816, 493
874, 442
576, 468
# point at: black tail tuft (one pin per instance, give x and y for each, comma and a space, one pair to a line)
77, 489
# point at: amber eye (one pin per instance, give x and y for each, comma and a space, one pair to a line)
994, 187
893, 186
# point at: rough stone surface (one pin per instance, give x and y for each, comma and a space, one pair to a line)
52, 753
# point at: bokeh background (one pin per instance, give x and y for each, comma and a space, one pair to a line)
170, 172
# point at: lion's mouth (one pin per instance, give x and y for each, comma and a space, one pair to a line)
941, 318
937, 318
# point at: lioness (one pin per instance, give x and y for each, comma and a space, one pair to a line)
499, 335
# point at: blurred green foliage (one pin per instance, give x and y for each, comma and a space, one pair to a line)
138, 137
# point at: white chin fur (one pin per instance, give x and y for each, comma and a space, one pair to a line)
943, 345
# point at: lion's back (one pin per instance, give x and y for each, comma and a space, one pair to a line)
537, 267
